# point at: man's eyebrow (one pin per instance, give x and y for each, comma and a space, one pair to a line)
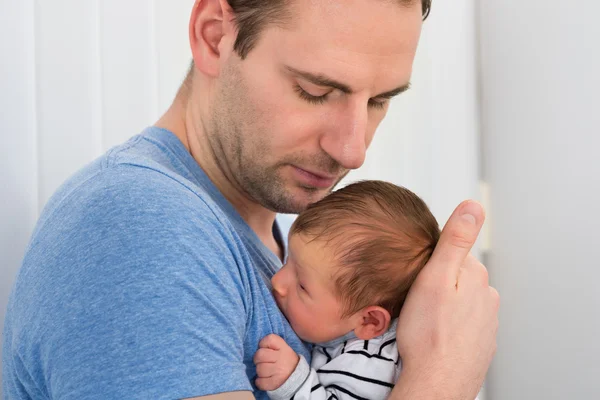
322, 80
393, 93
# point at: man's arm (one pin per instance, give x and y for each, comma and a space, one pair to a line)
447, 328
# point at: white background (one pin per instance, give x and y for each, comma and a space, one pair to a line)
515, 104
540, 64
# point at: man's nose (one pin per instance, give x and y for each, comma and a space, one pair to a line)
346, 138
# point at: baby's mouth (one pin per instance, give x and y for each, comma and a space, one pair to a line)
276, 297
279, 303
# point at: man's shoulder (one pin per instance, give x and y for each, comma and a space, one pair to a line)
129, 268
134, 261
121, 221
132, 186
128, 208
117, 222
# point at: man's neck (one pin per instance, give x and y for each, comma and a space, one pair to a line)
187, 126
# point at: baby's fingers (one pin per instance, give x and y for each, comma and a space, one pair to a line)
272, 341
265, 355
266, 384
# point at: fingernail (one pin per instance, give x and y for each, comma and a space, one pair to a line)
469, 211
469, 218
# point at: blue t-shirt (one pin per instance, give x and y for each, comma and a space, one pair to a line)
140, 281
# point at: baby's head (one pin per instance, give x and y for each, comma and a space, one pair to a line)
352, 258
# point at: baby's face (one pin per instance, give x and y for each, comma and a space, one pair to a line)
304, 291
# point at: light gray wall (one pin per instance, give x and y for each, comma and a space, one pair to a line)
541, 150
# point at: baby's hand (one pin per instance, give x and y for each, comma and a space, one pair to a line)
275, 361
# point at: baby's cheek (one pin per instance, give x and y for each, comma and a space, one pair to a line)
301, 318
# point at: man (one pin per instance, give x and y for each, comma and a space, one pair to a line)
148, 273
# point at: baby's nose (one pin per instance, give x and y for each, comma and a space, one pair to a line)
278, 285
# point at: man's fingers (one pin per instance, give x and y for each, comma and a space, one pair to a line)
458, 237
271, 341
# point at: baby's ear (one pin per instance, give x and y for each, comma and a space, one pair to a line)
372, 321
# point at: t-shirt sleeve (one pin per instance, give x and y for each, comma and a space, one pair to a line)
146, 295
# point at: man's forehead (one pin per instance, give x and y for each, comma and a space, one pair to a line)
379, 20
366, 40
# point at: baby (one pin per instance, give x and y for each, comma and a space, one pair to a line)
352, 258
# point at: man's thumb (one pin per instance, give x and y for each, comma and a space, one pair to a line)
458, 236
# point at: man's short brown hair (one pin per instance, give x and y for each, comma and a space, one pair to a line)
252, 16
381, 234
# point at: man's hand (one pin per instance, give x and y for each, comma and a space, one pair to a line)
275, 361
447, 328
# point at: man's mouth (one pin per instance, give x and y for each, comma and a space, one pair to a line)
313, 178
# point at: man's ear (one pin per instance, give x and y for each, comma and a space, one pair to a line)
372, 321
211, 23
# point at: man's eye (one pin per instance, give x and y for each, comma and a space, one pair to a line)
304, 95
302, 288
377, 104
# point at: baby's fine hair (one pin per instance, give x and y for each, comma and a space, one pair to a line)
381, 234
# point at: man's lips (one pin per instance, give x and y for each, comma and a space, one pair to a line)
315, 179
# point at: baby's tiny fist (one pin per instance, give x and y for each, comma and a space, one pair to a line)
275, 361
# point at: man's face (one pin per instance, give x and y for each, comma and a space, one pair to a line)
299, 112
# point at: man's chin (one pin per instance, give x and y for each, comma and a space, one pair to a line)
303, 197
295, 199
